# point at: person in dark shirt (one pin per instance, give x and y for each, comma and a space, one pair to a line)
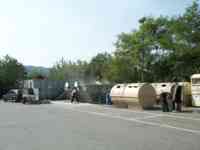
74, 95
19, 95
178, 99
164, 101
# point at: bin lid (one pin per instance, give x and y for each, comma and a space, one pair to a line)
195, 76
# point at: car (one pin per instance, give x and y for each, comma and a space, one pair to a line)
11, 96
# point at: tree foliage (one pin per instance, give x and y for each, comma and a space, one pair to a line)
11, 72
161, 49
99, 67
68, 70
36, 73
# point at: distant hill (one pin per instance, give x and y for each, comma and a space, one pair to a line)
43, 70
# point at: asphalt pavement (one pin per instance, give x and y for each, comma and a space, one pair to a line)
61, 126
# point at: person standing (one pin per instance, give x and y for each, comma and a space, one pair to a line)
108, 98
178, 99
19, 95
164, 101
74, 95
173, 94
169, 102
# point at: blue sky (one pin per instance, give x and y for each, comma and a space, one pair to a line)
40, 32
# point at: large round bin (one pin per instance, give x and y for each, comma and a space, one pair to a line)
134, 94
161, 88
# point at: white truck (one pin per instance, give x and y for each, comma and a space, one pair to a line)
30, 96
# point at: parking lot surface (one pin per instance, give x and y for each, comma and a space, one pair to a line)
64, 126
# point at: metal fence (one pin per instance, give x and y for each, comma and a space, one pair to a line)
48, 89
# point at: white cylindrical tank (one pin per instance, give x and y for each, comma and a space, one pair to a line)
162, 87
167, 87
133, 94
186, 93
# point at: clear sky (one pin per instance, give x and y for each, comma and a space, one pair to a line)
39, 32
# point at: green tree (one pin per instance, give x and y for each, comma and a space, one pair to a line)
11, 72
186, 29
162, 48
35, 73
99, 66
68, 70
